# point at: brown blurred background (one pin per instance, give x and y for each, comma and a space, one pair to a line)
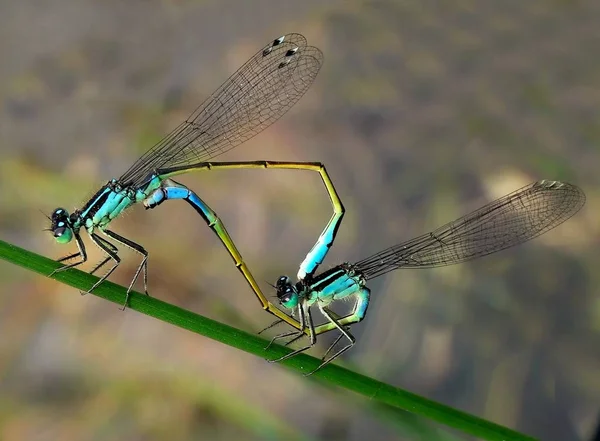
423, 111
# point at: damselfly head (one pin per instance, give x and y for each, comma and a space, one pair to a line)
286, 292
61, 226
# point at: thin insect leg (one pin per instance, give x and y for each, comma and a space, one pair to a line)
318, 252
332, 345
99, 242
112, 247
82, 253
302, 335
103, 262
69, 257
142, 266
295, 339
100, 265
339, 337
294, 332
297, 334
272, 325
311, 332
275, 323
345, 333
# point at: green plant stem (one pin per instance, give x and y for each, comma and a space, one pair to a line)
331, 374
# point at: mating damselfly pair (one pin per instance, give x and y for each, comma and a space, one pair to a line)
254, 97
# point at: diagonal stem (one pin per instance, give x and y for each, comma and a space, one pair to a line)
331, 375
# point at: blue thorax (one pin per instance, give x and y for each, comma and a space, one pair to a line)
109, 202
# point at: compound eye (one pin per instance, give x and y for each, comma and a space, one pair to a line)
289, 298
63, 234
59, 213
283, 281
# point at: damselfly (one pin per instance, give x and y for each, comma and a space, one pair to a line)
254, 97
513, 219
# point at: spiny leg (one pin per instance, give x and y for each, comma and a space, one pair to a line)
296, 333
81, 252
272, 325
113, 255
283, 335
342, 324
276, 322
289, 342
295, 339
339, 337
344, 332
332, 345
112, 247
69, 257
306, 318
142, 266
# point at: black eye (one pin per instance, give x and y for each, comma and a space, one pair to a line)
282, 281
58, 213
59, 231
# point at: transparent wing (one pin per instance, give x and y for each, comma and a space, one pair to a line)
508, 221
253, 98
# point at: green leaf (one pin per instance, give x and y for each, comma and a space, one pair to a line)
331, 375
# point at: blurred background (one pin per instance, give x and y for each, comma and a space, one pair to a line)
423, 111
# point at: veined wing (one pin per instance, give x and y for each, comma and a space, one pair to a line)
511, 220
253, 98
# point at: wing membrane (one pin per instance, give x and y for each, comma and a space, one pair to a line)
253, 98
511, 220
